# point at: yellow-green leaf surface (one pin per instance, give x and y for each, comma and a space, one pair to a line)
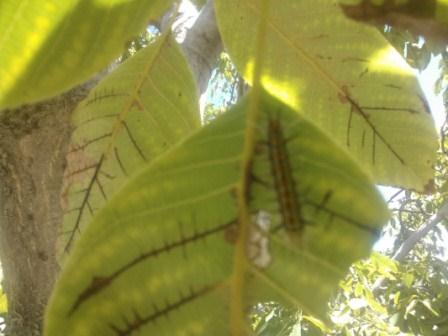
3, 302
138, 111
344, 77
159, 258
49, 46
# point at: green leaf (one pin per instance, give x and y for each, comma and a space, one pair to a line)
49, 46
384, 265
133, 115
408, 279
410, 308
359, 289
427, 304
396, 298
374, 304
345, 78
160, 257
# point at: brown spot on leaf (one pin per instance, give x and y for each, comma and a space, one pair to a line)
430, 187
231, 234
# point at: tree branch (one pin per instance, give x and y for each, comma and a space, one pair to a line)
413, 239
409, 244
203, 45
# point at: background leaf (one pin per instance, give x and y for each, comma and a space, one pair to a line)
49, 46
138, 111
345, 78
159, 258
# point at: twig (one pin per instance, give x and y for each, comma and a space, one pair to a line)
413, 239
409, 244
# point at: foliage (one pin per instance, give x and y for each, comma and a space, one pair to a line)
270, 318
261, 211
413, 298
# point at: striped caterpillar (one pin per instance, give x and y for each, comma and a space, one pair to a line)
284, 183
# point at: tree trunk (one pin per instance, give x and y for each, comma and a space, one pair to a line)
33, 145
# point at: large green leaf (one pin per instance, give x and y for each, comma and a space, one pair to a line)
138, 111
49, 46
344, 77
160, 258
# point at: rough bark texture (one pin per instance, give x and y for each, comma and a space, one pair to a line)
33, 144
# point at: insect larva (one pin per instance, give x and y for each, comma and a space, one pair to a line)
284, 183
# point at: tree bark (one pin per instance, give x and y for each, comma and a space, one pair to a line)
33, 145
203, 45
